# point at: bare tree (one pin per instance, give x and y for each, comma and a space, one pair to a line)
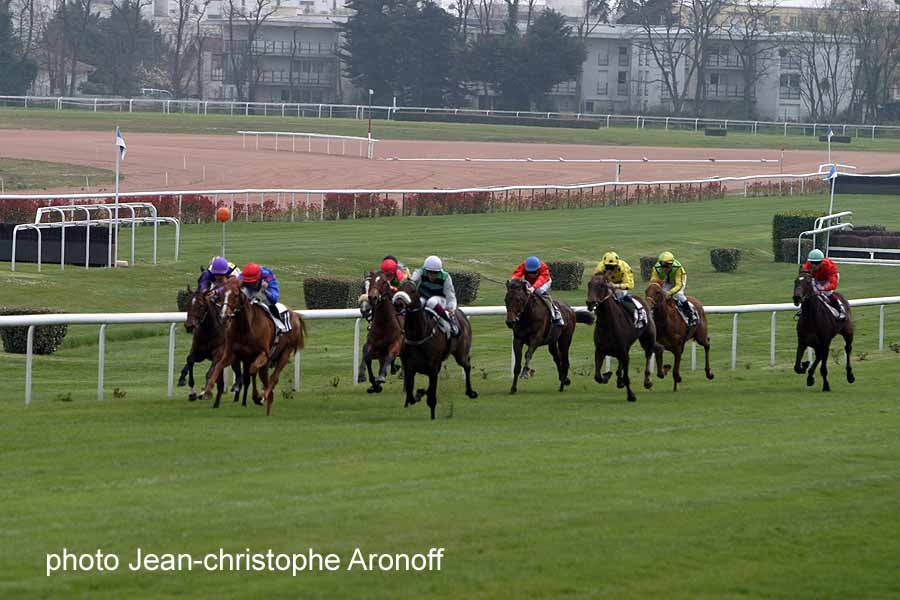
595, 12
702, 24
825, 52
183, 43
75, 19
747, 29
462, 9
242, 52
876, 31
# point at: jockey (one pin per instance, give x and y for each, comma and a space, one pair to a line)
619, 274
395, 270
670, 274
219, 271
259, 282
826, 276
435, 288
536, 274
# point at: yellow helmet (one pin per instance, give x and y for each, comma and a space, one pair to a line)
666, 257
610, 259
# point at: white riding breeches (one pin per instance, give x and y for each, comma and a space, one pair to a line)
680, 295
621, 294
544, 289
434, 301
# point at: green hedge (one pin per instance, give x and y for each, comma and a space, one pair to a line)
790, 225
647, 263
47, 338
449, 117
466, 284
789, 249
566, 274
330, 292
725, 260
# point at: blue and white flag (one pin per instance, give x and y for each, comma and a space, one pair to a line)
120, 142
832, 173
830, 133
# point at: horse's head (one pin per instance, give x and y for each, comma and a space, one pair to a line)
654, 294
406, 300
233, 299
378, 288
803, 287
196, 309
516, 300
599, 291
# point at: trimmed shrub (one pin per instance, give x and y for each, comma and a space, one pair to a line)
790, 225
47, 338
330, 292
466, 284
566, 274
789, 249
647, 263
725, 260
182, 300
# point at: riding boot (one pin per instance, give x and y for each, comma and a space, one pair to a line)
839, 306
688, 311
442, 312
554, 311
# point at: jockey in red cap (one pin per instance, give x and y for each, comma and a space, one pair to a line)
396, 271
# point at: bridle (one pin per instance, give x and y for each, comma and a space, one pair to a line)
412, 308
595, 304
518, 315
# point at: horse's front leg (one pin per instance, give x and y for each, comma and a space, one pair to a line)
810, 374
182, 379
432, 392
676, 369
626, 380
599, 375
800, 364
848, 347
219, 365
220, 388
517, 363
374, 386
526, 368
824, 370
409, 380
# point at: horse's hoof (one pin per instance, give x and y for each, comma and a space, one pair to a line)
709, 375
257, 401
632, 398
851, 378
678, 379
826, 388
799, 369
181, 383
810, 382
236, 388
512, 390
361, 378
567, 381
524, 374
648, 384
380, 379
620, 383
419, 395
216, 405
472, 394
192, 396
370, 390
606, 376
805, 364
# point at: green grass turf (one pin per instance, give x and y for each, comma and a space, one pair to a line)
18, 118
751, 485
20, 174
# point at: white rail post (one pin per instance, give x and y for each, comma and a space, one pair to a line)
608, 362
772, 341
881, 328
734, 322
101, 359
693, 356
170, 388
356, 350
29, 358
296, 386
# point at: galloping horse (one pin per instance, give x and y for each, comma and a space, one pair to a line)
532, 325
672, 332
385, 339
250, 338
816, 327
615, 333
208, 329
426, 347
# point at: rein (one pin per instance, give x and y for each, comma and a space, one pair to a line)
406, 340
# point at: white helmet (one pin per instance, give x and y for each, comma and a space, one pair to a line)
433, 263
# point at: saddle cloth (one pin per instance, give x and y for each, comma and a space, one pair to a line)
283, 324
683, 316
442, 323
824, 299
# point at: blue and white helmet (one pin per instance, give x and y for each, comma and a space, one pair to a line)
532, 264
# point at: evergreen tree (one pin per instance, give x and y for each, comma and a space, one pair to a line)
16, 72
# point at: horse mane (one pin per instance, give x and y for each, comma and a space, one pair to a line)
515, 284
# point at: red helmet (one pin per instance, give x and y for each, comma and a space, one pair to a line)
389, 265
250, 273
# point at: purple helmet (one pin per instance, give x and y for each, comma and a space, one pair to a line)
219, 266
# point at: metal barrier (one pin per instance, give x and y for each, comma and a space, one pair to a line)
293, 135
174, 318
824, 224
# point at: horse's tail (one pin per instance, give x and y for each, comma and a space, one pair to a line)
301, 333
583, 316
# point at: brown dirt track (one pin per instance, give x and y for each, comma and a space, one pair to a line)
228, 166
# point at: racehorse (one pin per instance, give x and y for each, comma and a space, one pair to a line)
532, 325
426, 347
615, 333
208, 329
672, 332
250, 337
385, 339
816, 327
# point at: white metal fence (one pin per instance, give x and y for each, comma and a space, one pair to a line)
358, 111
173, 319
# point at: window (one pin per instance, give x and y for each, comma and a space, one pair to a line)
622, 84
603, 57
794, 23
603, 84
623, 56
789, 84
775, 22
713, 79
589, 106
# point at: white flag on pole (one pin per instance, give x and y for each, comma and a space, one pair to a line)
120, 142
830, 133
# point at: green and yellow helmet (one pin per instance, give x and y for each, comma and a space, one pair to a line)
666, 258
610, 259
